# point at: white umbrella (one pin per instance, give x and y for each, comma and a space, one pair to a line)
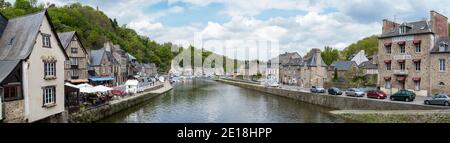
84, 85
71, 85
132, 82
87, 89
102, 88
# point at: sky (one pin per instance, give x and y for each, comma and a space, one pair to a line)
294, 25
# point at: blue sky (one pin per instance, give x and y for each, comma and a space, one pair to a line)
297, 25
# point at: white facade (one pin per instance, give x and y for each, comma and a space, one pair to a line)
33, 77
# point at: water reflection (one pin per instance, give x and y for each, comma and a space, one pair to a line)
200, 101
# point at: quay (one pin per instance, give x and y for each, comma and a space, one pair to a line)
115, 106
336, 102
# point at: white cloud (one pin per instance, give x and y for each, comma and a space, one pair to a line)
334, 23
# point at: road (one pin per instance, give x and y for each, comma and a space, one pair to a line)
419, 99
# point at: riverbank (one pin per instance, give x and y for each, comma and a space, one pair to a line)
115, 106
395, 116
336, 102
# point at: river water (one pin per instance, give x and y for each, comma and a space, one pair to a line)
208, 101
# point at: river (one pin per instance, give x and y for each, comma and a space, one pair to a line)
208, 101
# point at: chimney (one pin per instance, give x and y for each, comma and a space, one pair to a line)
439, 24
108, 46
388, 25
316, 53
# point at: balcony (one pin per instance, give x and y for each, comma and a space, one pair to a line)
400, 72
402, 57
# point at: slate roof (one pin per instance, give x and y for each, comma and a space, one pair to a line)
418, 27
342, 65
6, 68
368, 65
443, 42
295, 62
310, 59
65, 38
20, 34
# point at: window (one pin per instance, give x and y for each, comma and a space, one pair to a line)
402, 66
46, 40
418, 48
417, 65
388, 50
441, 65
417, 85
49, 95
388, 66
75, 72
74, 50
387, 84
11, 93
402, 49
49, 69
73, 61
403, 29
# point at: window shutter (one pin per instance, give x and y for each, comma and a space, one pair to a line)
43, 96
54, 94
45, 69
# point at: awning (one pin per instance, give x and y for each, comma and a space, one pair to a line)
101, 78
387, 78
417, 41
401, 61
387, 61
416, 78
401, 43
387, 44
79, 81
416, 60
401, 78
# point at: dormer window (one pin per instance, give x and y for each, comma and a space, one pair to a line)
443, 47
403, 28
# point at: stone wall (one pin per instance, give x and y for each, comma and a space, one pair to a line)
14, 111
337, 102
101, 112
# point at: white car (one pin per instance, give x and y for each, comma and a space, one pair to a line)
274, 84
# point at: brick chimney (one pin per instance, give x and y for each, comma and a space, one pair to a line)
439, 24
388, 25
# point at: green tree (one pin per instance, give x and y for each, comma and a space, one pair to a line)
369, 45
329, 55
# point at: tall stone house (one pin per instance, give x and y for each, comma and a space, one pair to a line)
76, 68
308, 71
104, 68
413, 56
283, 60
122, 58
344, 70
32, 62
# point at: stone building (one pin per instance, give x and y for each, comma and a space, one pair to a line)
32, 62
76, 68
283, 60
308, 71
104, 68
412, 56
343, 69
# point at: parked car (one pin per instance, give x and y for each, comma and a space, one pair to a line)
377, 94
317, 89
403, 95
354, 92
439, 99
335, 91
